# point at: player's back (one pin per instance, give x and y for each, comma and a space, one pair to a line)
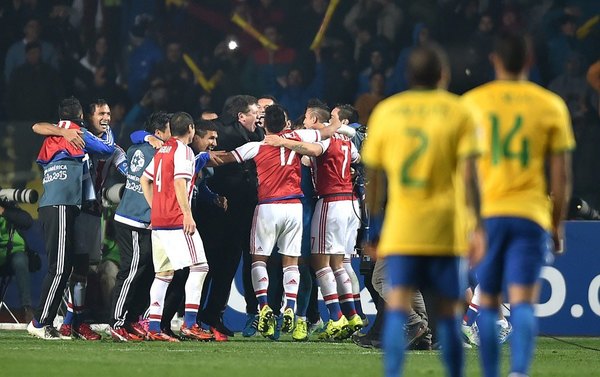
172, 161
418, 138
277, 168
521, 124
331, 170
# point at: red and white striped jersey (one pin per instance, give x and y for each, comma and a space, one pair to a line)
331, 170
172, 161
278, 168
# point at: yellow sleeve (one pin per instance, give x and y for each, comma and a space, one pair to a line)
372, 149
469, 143
561, 138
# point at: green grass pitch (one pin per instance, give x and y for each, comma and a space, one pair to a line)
22, 355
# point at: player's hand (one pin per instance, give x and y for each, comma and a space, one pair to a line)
189, 225
370, 250
476, 246
557, 240
273, 140
216, 158
221, 202
74, 137
155, 142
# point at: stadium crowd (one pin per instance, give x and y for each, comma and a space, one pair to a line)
181, 94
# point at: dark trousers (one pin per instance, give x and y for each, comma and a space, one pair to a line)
131, 294
58, 224
226, 235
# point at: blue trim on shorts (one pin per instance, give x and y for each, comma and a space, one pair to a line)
516, 251
446, 275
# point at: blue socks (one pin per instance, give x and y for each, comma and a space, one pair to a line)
452, 349
522, 340
394, 342
489, 350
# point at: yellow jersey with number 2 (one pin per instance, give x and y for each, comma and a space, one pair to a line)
419, 139
521, 125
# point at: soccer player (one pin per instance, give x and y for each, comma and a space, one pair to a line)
335, 221
133, 235
167, 185
423, 141
278, 215
525, 129
88, 228
62, 158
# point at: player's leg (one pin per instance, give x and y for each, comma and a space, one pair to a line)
355, 287
263, 236
490, 275
87, 243
289, 242
524, 261
400, 272
162, 278
448, 275
58, 234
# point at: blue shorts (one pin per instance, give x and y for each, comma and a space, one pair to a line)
445, 275
516, 250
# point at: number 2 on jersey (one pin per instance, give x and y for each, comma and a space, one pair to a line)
501, 147
405, 177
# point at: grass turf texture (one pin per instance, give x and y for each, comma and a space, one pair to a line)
23, 355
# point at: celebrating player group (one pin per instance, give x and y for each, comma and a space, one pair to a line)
448, 177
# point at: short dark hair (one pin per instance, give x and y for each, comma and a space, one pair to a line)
238, 104
425, 65
275, 118
320, 109
180, 122
203, 126
70, 109
95, 104
268, 96
348, 112
512, 50
157, 121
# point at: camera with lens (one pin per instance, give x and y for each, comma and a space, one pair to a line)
114, 193
10, 197
579, 209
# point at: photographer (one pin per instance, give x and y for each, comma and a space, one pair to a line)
13, 258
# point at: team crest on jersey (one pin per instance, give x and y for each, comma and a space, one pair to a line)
137, 161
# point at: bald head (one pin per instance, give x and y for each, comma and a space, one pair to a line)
427, 65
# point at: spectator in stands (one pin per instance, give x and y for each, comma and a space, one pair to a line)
175, 73
16, 53
293, 92
145, 54
367, 101
378, 62
262, 60
34, 88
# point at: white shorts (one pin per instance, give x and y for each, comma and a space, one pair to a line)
277, 224
334, 226
172, 249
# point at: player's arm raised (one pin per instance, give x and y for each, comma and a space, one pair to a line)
72, 135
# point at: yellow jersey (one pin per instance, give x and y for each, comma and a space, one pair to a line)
419, 139
521, 125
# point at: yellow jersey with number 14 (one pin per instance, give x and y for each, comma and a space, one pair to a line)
522, 124
419, 139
